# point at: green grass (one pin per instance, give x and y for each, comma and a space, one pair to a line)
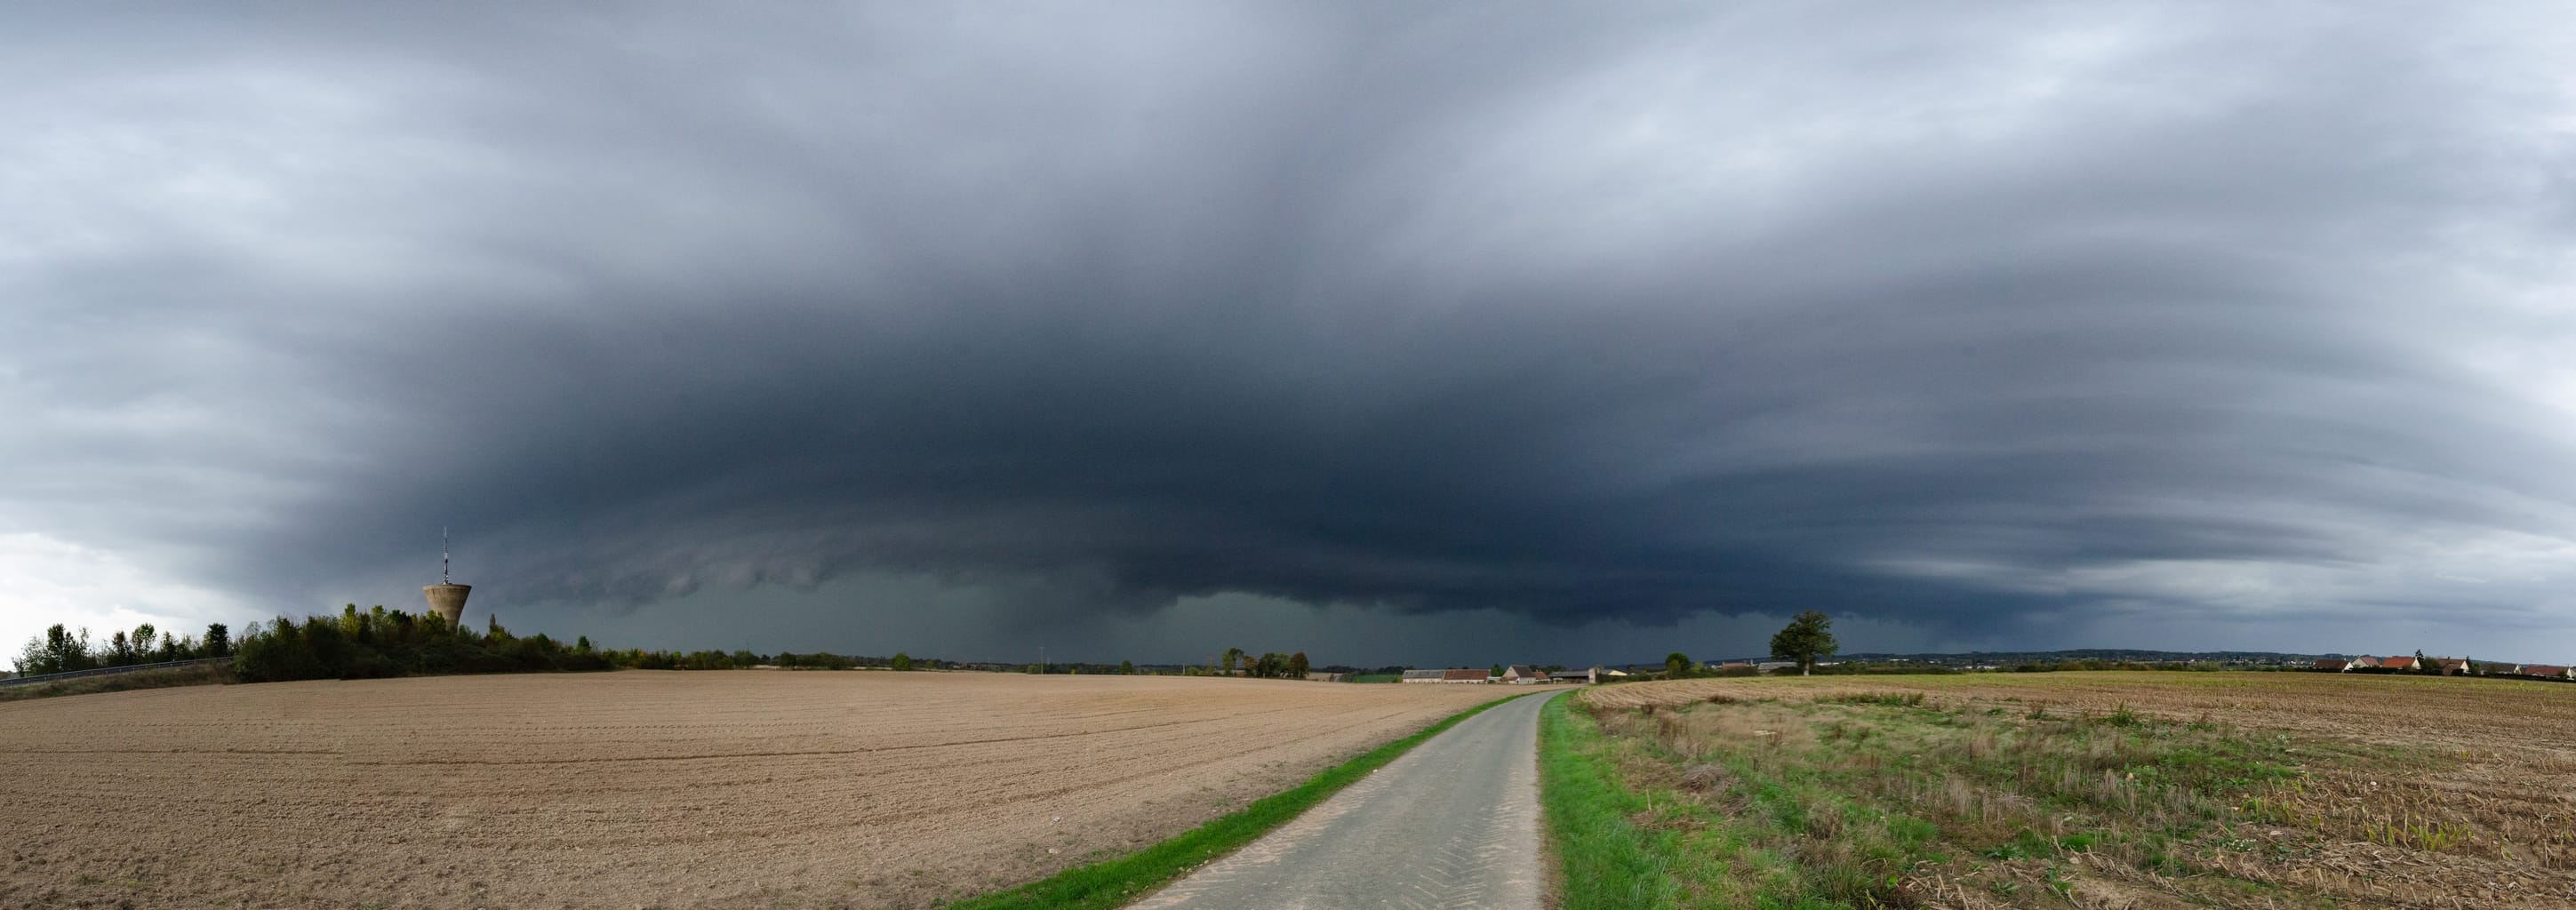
1112, 883
1609, 864
1378, 677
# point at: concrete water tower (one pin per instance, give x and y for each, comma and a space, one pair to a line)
447, 597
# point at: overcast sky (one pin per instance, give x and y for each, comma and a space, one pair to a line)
1387, 332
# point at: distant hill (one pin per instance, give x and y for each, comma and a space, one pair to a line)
2013, 658
2006, 658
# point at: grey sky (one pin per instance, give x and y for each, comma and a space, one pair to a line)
1381, 330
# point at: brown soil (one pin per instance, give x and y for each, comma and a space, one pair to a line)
642, 789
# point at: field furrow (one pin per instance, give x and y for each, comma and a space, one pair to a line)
745, 788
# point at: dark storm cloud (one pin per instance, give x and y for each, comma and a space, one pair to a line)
1952, 318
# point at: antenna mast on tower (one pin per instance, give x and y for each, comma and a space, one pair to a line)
447, 597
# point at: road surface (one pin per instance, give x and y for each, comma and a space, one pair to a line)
1452, 824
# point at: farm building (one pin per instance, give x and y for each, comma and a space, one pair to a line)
1523, 674
2397, 663
2451, 666
2364, 662
2333, 664
2544, 671
1327, 677
1446, 676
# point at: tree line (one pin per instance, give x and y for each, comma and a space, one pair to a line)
1272, 665
62, 651
378, 643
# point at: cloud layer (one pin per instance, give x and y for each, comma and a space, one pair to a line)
2113, 320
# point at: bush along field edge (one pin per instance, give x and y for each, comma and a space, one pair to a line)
1116, 882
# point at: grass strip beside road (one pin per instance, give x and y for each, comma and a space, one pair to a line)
1113, 883
1608, 863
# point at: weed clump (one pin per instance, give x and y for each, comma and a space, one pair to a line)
1707, 778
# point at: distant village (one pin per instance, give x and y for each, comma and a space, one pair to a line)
2446, 666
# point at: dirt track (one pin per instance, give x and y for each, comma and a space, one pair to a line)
749, 788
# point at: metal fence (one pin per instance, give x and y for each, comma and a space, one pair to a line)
103, 671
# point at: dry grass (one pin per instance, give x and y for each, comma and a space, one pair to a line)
2286, 790
706, 789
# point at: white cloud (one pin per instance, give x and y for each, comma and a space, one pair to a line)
55, 581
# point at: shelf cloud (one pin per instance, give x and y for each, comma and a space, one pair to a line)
2003, 325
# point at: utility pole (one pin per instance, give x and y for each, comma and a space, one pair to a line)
1041, 660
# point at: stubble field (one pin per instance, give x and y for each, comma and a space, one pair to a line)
2100, 790
642, 789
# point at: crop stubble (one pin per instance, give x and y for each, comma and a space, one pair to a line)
746, 788
2469, 807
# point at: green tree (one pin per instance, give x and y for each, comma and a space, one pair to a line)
57, 651
1497, 671
1126, 668
1297, 665
1806, 639
902, 661
1678, 665
1232, 658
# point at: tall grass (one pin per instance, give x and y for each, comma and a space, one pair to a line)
1892, 799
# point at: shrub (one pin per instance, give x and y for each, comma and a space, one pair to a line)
382, 643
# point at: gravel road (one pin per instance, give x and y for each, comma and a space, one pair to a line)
1452, 824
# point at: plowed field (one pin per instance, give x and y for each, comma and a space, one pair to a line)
746, 788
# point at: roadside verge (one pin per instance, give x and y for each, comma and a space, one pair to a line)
1606, 862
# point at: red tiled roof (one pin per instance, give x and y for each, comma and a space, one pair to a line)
2543, 670
1465, 674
